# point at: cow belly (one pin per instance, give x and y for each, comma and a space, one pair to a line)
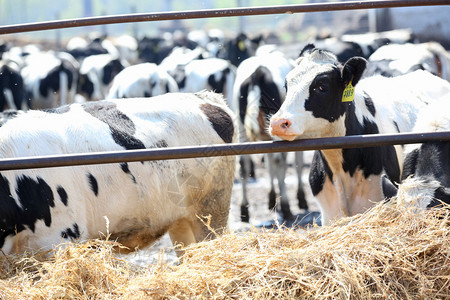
366, 192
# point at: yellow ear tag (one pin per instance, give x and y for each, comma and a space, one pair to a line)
349, 93
241, 45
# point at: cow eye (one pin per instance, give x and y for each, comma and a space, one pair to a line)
321, 87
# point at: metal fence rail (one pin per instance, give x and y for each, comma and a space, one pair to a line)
214, 13
355, 141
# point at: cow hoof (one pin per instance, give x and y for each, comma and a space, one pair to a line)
244, 214
302, 204
272, 200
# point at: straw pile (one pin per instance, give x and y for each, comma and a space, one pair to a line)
390, 252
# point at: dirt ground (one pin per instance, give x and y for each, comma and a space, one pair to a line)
258, 191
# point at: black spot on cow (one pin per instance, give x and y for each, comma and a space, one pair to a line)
36, 198
161, 144
71, 233
166, 87
369, 104
121, 127
218, 85
85, 86
62, 194
110, 70
396, 126
93, 183
319, 171
325, 93
12, 80
270, 99
51, 82
11, 221
372, 160
220, 120
126, 169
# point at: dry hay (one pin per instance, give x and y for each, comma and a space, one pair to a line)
390, 252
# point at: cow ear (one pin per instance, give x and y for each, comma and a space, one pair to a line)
307, 50
353, 70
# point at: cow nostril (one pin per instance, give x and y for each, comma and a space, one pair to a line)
285, 124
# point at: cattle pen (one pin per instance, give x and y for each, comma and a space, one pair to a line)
212, 150
391, 252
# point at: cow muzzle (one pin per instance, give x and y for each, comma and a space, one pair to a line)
280, 127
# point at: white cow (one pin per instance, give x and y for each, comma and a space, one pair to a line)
348, 181
140, 200
142, 80
395, 59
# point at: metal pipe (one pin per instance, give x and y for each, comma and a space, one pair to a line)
213, 13
356, 141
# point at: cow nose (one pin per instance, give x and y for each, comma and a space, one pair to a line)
279, 126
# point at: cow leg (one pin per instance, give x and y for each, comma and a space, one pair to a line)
302, 204
244, 172
278, 161
272, 193
182, 234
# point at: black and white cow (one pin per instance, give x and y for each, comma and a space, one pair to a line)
214, 74
12, 91
258, 93
239, 48
396, 59
50, 79
142, 80
348, 181
426, 169
96, 74
136, 202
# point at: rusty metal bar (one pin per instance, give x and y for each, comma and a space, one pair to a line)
356, 141
213, 13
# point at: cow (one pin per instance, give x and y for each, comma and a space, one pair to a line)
371, 41
238, 49
212, 73
425, 176
12, 89
327, 99
97, 73
50, 79
133, 203
258, 93
142, 80
343, 50
396, 59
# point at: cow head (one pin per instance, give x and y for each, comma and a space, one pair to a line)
313, 106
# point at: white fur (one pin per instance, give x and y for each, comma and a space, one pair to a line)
137, 80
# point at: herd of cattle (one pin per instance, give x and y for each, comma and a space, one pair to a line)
121, 94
